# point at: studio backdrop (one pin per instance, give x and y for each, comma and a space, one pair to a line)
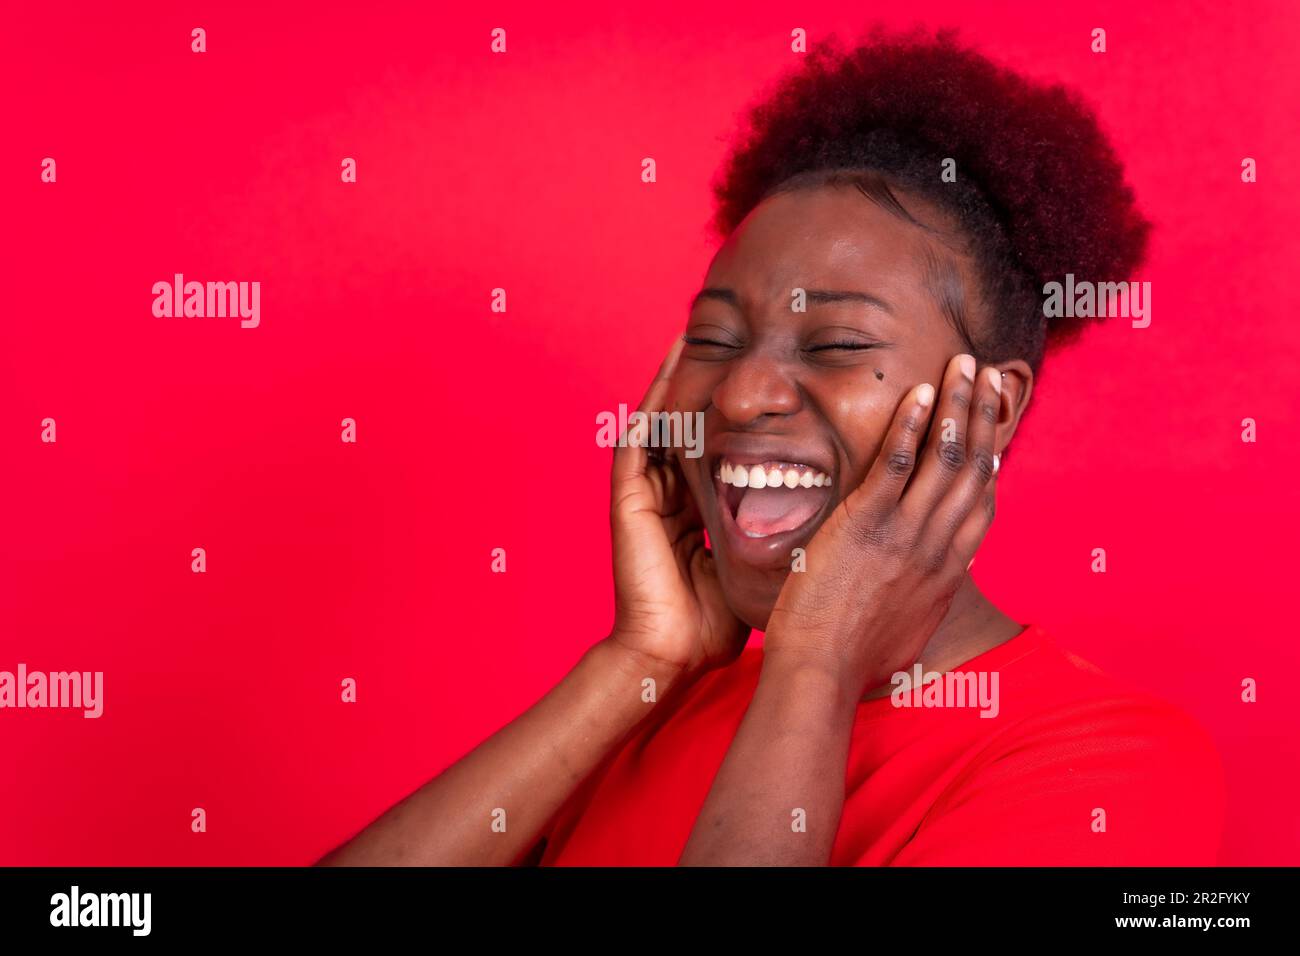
321, 545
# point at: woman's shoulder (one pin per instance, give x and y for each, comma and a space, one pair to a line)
1046, 684
1065, 712
1074, 743
1077, 682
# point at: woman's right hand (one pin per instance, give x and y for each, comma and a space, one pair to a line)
669, 602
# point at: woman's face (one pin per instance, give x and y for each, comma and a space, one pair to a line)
797, 395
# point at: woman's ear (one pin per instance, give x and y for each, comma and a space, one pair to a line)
1017, 385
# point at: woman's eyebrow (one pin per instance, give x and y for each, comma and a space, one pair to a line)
716, 295
812, 296
820, 296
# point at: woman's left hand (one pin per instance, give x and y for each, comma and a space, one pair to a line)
882, 570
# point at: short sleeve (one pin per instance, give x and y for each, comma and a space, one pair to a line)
1128, 781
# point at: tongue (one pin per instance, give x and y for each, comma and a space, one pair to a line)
773, 510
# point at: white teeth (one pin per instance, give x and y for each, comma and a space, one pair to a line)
772, 476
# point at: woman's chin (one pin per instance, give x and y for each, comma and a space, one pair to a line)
751, 594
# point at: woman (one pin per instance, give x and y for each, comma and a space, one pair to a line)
863, 349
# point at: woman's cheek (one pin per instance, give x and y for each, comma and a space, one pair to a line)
862, 419
688, 392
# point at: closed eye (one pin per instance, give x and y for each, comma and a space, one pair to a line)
852, 346
693, 340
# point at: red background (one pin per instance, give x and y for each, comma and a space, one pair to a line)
328, 560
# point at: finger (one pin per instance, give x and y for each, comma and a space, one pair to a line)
631, 456
889, 473
678, 509
977, 472
944, 454
654, 396
966, 542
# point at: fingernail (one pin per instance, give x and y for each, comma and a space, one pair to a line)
925, 395
997, 463
995, 379
967, 365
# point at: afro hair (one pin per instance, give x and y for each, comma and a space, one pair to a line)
1039, 191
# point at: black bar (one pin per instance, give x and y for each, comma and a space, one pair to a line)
558, 906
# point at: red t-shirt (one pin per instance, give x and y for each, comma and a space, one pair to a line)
1070, 751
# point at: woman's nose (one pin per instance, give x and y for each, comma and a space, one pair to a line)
755, 386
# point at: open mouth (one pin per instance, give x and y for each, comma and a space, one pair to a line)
768, 498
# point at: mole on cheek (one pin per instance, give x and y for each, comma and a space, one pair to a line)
880, 376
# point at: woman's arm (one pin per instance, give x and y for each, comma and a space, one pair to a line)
778, 797
529, 769
672, 624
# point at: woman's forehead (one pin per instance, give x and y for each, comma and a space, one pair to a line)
835, 239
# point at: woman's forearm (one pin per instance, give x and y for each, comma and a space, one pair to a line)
527, 770
777, 798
